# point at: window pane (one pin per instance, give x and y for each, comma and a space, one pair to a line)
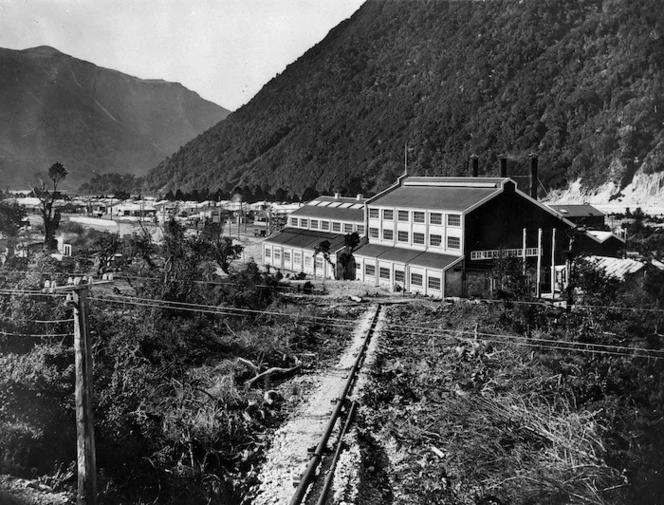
314, 224
416, 279
369, 269
418, 238
373, 232
418, 217
454, 220
286, 256
336, 226
373, 213
403, 215
453, 242
402, 236
293, 221
384, 273
435, 240
304, 223
348, 228
398, 276
268, 253
436, 218
360, 229
434, 283
325, 225
388, 234
388, 215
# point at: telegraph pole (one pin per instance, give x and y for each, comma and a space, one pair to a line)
85, 433
85, 443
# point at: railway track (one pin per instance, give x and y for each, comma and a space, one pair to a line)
344, 409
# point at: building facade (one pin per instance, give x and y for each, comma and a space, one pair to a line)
324, 219
439, 236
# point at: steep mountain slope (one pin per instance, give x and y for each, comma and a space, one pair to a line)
578, 81
54, 107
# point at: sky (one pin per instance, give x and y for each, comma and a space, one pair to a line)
225, 50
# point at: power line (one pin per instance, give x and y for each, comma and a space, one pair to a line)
497, 338
39, 335
549, 344
472, 333
208, 308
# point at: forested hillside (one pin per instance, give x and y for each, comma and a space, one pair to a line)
578, 81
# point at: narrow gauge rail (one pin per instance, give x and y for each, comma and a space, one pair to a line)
317, 456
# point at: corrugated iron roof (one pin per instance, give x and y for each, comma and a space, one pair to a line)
407, 256
616, 267
350, 210
306, 239
577, 210
453, 198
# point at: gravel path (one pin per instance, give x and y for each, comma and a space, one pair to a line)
287, 458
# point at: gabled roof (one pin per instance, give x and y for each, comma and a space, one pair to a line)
456, 194
333, 208
602, 236
577, 210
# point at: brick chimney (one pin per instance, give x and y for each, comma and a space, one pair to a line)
503, 166
533, 176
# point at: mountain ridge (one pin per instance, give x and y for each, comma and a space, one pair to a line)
90, 118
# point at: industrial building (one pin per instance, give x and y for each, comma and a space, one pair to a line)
440, 236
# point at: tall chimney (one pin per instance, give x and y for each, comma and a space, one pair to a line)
475, 163
533, 176
503, 166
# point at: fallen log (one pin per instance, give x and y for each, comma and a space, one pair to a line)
272, 371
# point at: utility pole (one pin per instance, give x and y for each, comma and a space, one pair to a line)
85, 443
85, 434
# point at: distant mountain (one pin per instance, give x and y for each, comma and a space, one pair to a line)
54, 107
580, 82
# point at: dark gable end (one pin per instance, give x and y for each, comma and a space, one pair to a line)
499, 223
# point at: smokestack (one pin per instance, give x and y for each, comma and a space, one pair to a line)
337, 196
475, 164
503, 166
533, 176
359, 197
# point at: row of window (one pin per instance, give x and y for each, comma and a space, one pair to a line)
297, 257
334, 226
418, 216
435, 240
399, 276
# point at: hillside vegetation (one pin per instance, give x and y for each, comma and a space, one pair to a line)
578, 81
54, 107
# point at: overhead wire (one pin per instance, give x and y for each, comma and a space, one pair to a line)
39, 335
552, 344
472, 333
493, 337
